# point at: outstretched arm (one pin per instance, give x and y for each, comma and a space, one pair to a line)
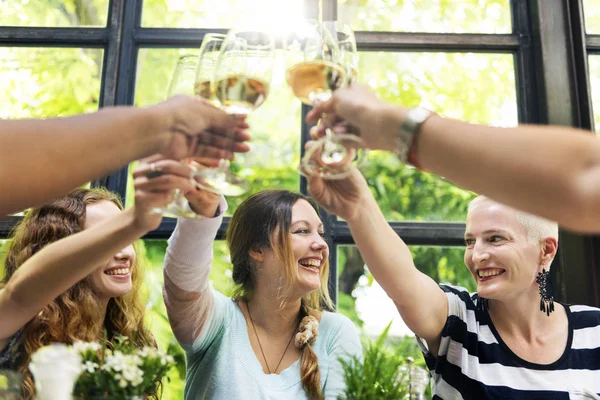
188, 261
550, 171
62, 264
43, 159
420, 301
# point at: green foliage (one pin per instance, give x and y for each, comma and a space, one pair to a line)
380, 375
405, 193
54, 13
346, 304
452, 16
49, 81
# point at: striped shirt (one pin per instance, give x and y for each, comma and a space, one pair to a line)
474, 363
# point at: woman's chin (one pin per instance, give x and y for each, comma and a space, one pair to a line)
308, 286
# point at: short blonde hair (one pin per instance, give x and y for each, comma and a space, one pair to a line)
537, 228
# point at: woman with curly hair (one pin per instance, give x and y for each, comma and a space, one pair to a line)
71, 270
273, 339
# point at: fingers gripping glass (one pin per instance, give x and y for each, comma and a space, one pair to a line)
182, 82
241, 77
323, 58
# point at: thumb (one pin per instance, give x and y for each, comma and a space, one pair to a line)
316, 187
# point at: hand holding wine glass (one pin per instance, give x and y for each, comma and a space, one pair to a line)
182, 82
323, 59
357, 110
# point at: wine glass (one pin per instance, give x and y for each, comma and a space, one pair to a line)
346, 41
203, 85
205, 70
322, 57
182, 82
240, 84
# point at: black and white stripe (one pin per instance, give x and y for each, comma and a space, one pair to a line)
474, 363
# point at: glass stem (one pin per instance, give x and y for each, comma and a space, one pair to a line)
223, 165
332, 152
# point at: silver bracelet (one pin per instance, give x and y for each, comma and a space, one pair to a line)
408, 131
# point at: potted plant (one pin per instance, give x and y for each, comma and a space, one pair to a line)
382, 374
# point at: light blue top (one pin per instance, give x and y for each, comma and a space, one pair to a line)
222, 365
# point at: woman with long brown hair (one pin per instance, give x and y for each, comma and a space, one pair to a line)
272, 340
71, 271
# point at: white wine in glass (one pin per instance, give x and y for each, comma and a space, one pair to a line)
205, 71
240, 94
318, 68
240, 84
314, 81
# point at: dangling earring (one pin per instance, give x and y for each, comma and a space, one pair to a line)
546, 297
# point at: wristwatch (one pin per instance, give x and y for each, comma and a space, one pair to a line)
407, 134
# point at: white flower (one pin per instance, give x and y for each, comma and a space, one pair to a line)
84, 347
90, 366
167, 359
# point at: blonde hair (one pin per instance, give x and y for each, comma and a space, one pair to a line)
263, 221
537, 228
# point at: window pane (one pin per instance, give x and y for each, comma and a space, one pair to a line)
594, 68
363, 300
450, 16
472, 87
49, 82
54, 13
275, 125
591, 11
218, 13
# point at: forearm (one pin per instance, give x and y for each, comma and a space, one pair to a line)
189, 256
61, 265
550, 171
42, 159
419, 299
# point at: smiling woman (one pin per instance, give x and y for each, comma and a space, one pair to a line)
281, 271
114, 279
71, 271
508, 340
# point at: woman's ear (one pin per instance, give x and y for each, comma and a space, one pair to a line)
257, 254
549, 248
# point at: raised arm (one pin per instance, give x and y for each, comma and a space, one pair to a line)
550, 171
60, 265
188, 261
43, 159
420, 301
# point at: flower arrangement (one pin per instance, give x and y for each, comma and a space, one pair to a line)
122, 372
119, 370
